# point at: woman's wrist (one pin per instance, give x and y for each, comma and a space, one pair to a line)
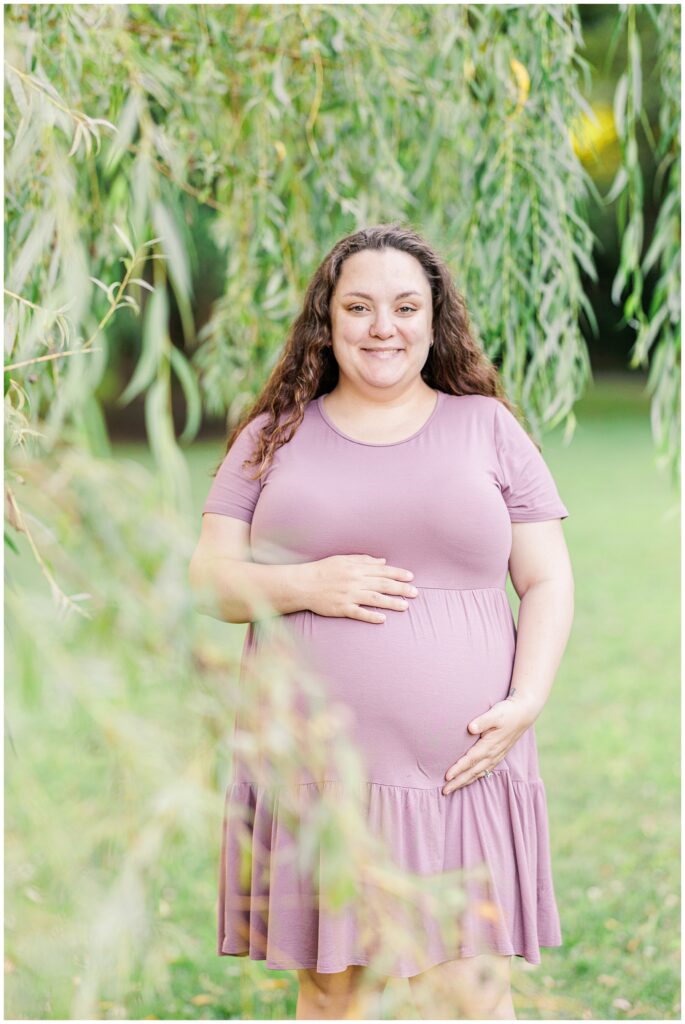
530, 703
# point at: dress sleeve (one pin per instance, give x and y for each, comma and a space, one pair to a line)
232, 492
527, 486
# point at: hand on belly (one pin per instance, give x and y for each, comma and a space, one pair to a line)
500, 727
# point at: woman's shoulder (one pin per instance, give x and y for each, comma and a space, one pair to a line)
262, 419
476, 404
473, 398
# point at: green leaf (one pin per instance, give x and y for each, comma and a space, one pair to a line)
125, 130
620, 97
160, 432
619, 183
155, 340
585, 261
174, 248
9, 541
646, 337
618, 284
101, 284
191, 392
635, 68
125, 239
586, 304
94, 427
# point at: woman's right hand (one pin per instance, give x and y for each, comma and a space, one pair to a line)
339, 585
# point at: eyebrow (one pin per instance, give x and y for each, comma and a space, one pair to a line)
363, 295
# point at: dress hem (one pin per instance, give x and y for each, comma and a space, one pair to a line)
256, 890
323, 968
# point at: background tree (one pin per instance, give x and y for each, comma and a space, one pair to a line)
173, 174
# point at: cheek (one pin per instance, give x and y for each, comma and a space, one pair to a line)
349, 335
421, 329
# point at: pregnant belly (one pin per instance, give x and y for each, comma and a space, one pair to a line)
413, 683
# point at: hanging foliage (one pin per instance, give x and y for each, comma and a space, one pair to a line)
129, 130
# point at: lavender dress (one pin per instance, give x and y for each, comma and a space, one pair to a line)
439, 503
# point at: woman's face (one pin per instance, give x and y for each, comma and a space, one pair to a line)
382, 301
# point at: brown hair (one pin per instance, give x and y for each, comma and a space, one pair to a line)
307, 367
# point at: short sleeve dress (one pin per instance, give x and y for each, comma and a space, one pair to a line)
439, 503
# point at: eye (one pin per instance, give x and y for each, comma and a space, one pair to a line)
358, 305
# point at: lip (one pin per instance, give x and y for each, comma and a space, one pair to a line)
383, 355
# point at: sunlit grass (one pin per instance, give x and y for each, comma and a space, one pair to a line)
609, 735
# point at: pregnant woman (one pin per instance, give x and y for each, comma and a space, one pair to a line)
385, 463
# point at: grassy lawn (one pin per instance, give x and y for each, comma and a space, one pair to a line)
609, 747
609, 735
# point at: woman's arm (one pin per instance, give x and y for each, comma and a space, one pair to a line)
236, 591
540, 570
541, 573
231, 587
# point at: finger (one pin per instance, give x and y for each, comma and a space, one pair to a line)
397, 572
484, 722
365, 614
384, 600
470, 766
466, 778
479, 760
463, 766
390, 585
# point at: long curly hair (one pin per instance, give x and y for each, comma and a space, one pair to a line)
307, 367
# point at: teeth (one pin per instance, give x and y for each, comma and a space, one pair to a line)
383, 353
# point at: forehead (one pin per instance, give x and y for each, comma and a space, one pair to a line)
378, 270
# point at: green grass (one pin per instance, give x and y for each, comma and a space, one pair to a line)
609, 734
608, 740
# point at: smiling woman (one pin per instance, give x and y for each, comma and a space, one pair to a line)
381, 530
381, 345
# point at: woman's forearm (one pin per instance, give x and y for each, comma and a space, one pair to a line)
544, 624
238, 591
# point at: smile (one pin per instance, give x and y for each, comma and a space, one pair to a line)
383, 353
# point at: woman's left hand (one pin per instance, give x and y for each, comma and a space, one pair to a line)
500, 727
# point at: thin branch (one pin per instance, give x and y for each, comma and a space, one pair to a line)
196, 193
27, 302
52, 355
75, 115
19, 523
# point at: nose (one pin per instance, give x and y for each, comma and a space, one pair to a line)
383, 326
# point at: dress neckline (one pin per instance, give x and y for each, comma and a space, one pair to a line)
379, 444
